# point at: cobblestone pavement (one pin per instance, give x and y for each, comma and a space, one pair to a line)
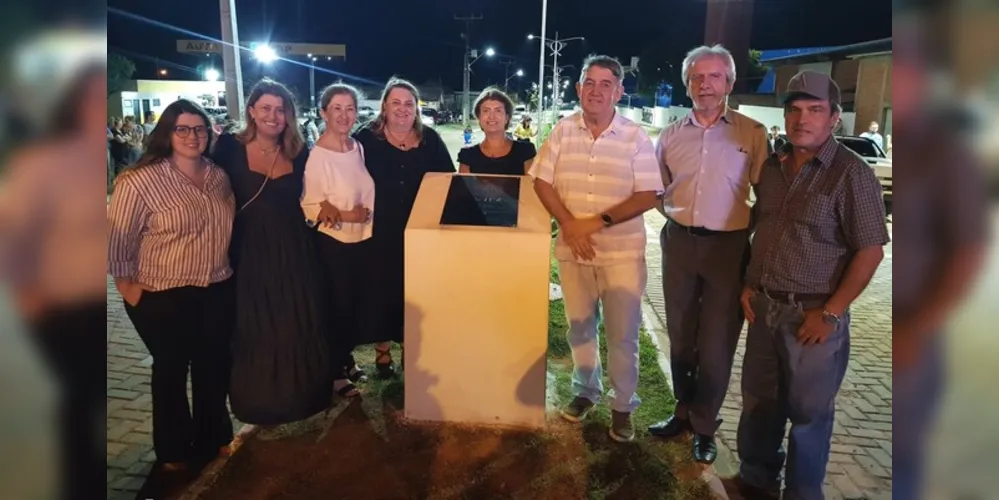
129, 398
861, 460
129, 417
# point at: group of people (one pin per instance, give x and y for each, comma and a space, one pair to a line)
259, 261
818, 231
263, 263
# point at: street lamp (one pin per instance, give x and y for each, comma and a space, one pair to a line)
312, 82
471, 56
265, 54
163, 72
519, 73
212, 75
555, 46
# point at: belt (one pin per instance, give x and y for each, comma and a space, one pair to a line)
698, 231
795, 297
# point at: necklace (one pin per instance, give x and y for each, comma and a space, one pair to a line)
267, 151
400, 143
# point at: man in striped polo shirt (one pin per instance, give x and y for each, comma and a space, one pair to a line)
597, 174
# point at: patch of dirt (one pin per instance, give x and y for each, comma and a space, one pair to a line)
365, 450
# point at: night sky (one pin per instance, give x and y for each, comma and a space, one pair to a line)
421, 41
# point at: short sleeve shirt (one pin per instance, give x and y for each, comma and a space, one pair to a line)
510, 164
810, 226
593, 175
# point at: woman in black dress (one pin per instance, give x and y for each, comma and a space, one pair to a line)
280, 367
398, 150
497, 154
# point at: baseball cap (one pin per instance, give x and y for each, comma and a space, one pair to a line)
815, 85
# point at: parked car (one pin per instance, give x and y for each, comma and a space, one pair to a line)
567, 109
365, 113
428, 116
519, 111
876, 158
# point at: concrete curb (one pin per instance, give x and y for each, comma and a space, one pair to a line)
725, 465
212, 471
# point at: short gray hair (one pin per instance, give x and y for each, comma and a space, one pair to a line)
602, 61
703, 52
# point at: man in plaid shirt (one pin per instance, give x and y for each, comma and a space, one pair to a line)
820, 232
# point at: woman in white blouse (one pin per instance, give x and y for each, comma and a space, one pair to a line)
338, 198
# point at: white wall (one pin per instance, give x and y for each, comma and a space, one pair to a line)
820, 67
767, 115
678, 112
633, 114
772, 115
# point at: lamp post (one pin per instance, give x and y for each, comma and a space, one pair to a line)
555, 45
471, 56
230, 60
312, 82
519, 73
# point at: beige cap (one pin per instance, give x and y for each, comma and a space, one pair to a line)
813, 84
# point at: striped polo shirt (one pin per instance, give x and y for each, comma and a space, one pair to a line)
593, 175
165, 232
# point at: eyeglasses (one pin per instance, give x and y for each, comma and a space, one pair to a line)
183, 131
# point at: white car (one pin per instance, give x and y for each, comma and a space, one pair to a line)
876, 158
519, 112
428, 117
567, 110
365, 113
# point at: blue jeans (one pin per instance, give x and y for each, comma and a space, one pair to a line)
783, 380
618, 288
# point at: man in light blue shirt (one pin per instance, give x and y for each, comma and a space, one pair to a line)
872, 134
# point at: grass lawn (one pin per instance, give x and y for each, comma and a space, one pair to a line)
366, 450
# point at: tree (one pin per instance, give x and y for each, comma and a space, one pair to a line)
120, 71
654, 68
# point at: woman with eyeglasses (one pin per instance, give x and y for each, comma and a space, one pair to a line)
169, 224
281, 369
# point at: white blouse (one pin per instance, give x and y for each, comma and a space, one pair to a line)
342, 180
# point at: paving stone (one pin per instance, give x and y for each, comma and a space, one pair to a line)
862, 433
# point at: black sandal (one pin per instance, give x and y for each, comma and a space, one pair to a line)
348, 390
356, 375
384, 370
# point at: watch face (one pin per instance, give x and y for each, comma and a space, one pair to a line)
607, 219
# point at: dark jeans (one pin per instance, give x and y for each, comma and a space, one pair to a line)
188, 327
783, 380
68, 337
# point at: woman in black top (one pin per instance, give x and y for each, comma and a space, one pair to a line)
398, 150
281, 371
497, 153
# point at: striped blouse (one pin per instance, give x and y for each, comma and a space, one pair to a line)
164, 232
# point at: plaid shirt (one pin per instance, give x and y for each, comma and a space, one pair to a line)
809, 226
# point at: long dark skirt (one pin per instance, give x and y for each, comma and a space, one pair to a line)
353, 291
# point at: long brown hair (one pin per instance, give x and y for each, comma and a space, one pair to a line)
291, 139
381, 121
159, 145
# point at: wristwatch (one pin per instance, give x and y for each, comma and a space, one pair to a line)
830, 318
607, 220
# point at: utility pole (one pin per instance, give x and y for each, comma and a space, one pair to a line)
230, 60
466, 101
541, 68
506, 75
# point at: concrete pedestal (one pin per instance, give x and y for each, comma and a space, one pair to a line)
476, 331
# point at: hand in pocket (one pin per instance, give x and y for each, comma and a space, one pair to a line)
131, 292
